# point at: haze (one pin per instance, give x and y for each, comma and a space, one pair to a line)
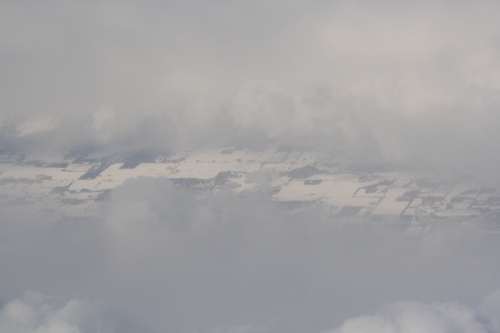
407, 83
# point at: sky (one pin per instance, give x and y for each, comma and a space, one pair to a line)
404, 82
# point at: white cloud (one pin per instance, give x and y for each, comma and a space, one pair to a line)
34, 126
36, 313
412, 317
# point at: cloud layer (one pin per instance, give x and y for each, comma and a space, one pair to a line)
412, 82
171, 260
415, 82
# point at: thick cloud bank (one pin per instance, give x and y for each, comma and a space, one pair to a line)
170, 260
222, 260
410, 82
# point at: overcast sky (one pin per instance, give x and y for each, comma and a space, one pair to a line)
416, 82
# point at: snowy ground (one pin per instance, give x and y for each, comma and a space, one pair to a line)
73, 186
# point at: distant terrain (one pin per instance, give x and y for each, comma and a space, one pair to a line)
75, 184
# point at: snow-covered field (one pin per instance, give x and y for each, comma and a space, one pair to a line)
74, 186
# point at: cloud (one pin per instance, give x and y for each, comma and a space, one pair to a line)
232, 261
412, 82
34, 126
490, 307
407, 317
102, 123
36, 313
169, 259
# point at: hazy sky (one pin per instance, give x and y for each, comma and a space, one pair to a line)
414, 81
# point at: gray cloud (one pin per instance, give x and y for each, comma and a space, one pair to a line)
241, 261
171, 260
413, 82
